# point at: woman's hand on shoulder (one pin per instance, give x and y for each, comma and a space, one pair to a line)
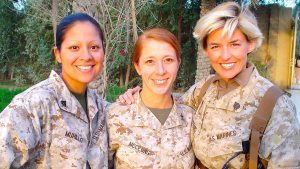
127, 97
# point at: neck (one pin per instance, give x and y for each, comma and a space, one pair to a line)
156, 101
75, 87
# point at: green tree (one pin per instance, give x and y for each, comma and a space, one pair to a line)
10, 39
37, 27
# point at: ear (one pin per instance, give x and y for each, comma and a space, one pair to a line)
205, 51
252, 45
57, 54
179, 62
137, 68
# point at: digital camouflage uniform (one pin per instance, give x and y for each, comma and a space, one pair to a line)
139, 141
46, 127
221, 124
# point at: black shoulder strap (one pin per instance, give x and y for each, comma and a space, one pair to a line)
260, 120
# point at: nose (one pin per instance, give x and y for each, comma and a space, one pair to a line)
161, 68
86, 54
226, 54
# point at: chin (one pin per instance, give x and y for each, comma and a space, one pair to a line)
86, 80
162, 91
228, 76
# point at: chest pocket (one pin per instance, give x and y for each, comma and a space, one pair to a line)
229, 121
186, 158
134, 156
229, 103
224, 140
68, 141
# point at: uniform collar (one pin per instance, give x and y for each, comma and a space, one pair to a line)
240, 79
142, 116
69, 103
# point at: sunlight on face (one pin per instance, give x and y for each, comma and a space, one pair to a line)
228, 55
81, 54
158, 66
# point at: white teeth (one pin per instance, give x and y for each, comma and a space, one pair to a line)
84, 67
160, 81
227, 65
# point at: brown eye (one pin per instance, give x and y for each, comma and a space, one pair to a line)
169, 60
74, 48
235, 44
95, 47
149, 61
214, 47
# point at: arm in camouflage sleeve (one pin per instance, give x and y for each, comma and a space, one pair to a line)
112, 146
282, 137
19, 133
111, 158
189, 96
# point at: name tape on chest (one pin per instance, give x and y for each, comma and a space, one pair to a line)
98, 131
141, 149
222, 135
74, 136
186, 150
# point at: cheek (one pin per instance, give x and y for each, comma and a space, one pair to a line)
99, 57
174, 69
145, 71
241, 58
98, 60
68, 58
241, 54
213, 56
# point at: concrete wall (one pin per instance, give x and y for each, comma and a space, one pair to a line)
275, 53
203, 66
280, 43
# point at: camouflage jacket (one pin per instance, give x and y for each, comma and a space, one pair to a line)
220, 126
46, 127
138, 140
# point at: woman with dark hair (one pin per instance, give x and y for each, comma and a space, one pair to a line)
153, 132
60, 122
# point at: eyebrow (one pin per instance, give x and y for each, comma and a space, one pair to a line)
149, 57
213, 43
233, 41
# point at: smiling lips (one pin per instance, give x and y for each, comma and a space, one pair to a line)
227, 65
160, 81
85, 68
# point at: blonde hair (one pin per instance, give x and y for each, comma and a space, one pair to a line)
229, 16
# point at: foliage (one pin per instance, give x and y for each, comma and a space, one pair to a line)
26, 35
261, 68
113, 92
10, 40
167, 14
38, 33
6, 96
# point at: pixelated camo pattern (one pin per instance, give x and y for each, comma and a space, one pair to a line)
220, 126
46, 127
139, 141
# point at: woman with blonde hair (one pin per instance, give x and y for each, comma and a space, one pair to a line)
221, 130
227, 34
